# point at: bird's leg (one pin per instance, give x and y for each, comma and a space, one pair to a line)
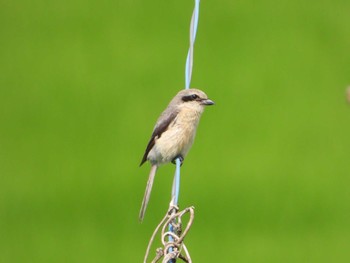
180, 158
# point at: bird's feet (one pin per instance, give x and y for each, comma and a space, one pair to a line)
180, 158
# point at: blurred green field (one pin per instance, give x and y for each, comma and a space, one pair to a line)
82, 83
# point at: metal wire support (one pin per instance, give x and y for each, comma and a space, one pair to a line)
172, 249
172, 240
193, 32
188, 75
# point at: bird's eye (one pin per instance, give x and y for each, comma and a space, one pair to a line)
190, 97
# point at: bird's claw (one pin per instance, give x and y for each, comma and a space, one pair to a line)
180, 158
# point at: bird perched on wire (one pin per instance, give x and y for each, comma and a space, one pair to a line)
173, 134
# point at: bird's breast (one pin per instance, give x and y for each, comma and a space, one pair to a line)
177, 139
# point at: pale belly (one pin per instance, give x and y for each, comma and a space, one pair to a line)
176, 141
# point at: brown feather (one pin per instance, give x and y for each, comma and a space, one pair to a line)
157, 133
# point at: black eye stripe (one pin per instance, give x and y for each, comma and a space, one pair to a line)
191, 97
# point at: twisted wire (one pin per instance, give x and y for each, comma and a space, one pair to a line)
188, 76
193, 32
176, 248
172, 239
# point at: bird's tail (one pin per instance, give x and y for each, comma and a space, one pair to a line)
148, 191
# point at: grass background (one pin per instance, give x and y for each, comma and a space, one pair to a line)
82, 83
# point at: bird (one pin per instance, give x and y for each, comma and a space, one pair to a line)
173, 134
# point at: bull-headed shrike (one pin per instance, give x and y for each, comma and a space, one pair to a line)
173, 134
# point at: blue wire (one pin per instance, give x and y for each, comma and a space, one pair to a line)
188, 75
175, 195
193, 32
177, 180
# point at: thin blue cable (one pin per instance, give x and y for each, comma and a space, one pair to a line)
177, 180
193, 33
188, 75
175, 195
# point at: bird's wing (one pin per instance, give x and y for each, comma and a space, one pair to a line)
162, 125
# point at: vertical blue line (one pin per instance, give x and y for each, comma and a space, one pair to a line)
175, 198
193, 32
196, 10
188, 76
177, 180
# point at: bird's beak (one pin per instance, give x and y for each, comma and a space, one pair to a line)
207, 102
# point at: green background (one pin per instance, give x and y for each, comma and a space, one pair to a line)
83, 82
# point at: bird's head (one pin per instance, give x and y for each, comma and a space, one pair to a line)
192, 98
